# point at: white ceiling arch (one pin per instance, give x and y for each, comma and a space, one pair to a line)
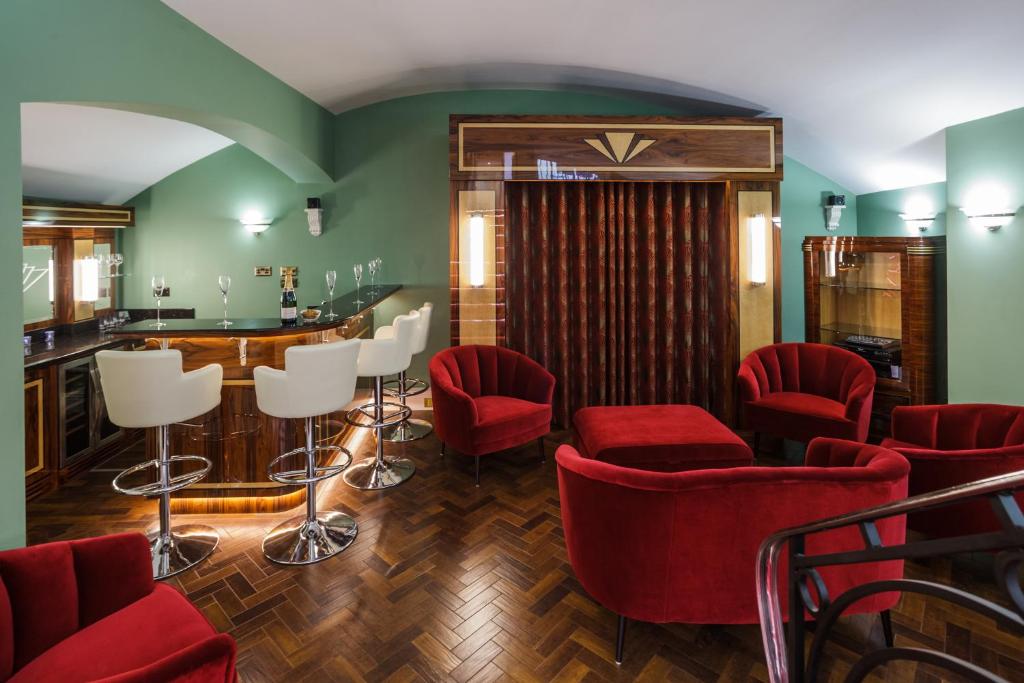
866, 88
106, 156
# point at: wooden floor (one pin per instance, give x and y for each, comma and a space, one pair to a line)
448, 582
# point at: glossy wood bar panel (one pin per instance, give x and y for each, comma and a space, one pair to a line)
614, 148
239, 439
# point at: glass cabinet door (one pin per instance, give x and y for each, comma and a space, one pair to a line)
859, 295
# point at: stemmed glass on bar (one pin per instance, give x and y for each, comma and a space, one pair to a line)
357, 270
224, 282
332, 279
374, 266
158, 284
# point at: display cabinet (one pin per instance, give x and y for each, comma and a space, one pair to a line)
882, 298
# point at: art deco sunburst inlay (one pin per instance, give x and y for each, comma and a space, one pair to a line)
620, 147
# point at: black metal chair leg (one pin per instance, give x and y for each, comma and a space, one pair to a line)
477, 470
886, 617
540, 449
620, 639
444, 446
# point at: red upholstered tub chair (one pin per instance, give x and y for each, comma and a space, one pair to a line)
955, 444
682, 546
89, 611
802, 391
489, 398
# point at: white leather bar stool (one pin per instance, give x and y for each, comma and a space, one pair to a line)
402, 388
146, 389
317, 379
378, 358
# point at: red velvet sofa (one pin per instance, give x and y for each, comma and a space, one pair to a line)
681, 547
489, 398
802, 391
89, 611
955, 444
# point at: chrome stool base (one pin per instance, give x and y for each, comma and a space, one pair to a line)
315, 535
372, 474
410, 430
183, 547
301, 541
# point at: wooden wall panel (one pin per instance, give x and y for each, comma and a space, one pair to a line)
614, 148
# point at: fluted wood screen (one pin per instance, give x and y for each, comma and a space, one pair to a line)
622, 290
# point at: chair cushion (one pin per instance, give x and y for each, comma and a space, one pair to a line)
506, 422
6, 634
43, 594
160, 624
799, 416
668, 438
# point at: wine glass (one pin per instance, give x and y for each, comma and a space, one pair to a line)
357, 270
224, 281
332, 279
373, 264
158, 283
117, 260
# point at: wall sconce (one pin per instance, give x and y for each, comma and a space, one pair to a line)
757, 229
86, 274
314, 216
918, 213
254, 222
476, 250
834, 205
987, 206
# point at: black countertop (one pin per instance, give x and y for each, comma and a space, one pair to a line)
344, 307
69, 347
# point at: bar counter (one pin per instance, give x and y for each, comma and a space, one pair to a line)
235, 436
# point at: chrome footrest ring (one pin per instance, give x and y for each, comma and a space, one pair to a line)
398, 414
301, 477
413, 387
157, 488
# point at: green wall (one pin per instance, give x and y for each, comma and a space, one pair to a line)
986, 313
803, 192
142, 56
878, 213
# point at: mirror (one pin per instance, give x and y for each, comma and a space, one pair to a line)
37, 282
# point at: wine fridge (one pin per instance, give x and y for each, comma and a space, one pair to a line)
84, 425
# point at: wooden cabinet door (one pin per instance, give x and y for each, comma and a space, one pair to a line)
40, 416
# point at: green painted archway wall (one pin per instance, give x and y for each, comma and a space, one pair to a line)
137, 55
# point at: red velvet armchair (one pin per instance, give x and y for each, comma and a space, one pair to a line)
955, 444
89, 611
802, 391
682, 546
489, 398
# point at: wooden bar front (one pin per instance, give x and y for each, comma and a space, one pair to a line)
239, 439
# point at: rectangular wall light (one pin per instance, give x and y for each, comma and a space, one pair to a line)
87, 279
476, 250
757, 228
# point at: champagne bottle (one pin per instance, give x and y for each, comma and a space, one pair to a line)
289, 309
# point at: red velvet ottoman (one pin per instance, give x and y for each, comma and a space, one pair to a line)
664, 438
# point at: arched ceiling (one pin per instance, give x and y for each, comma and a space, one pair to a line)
93, 154
865, 88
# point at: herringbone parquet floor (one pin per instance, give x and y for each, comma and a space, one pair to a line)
447, 582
